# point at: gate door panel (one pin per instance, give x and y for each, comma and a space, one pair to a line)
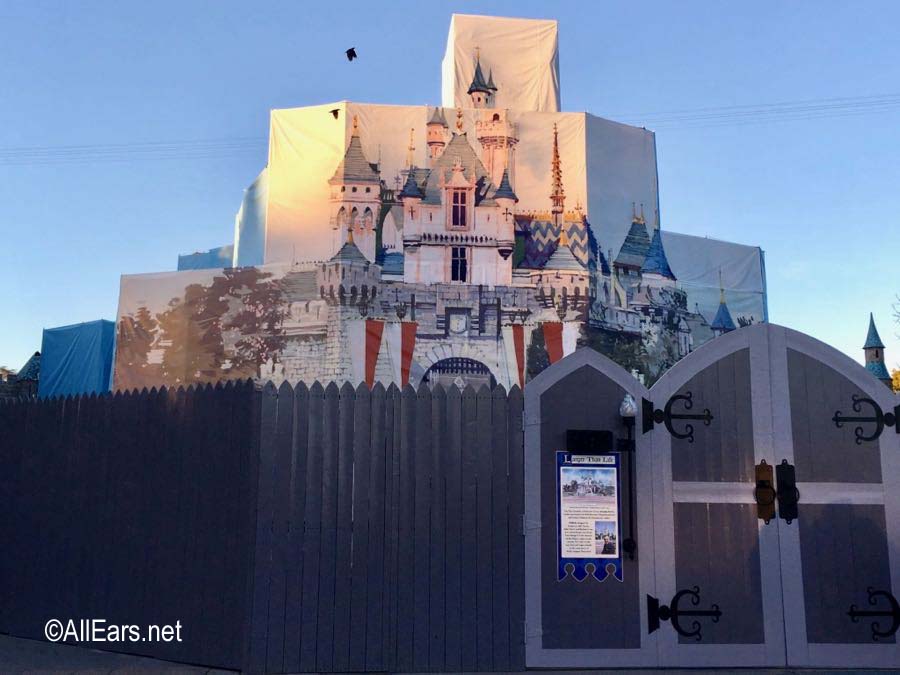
838, 549
587, 623
718, 571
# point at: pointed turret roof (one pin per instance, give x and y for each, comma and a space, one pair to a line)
478, 81
505, 190
878, 369
437, 117
354, 167
722, 320
637, 243
873, 340
490, 82
562, 259
458, 149
656, 262
31, 370
411, 187
349, 252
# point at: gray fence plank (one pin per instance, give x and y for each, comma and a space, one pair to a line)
344, 534
312, 540
361, 514
500, 530
281, 509
437, 530
259, 622
516, 505
330, 457
484, 544
422, 488
406, 550
452, 516
295, 541
379, 463
394, 440
468, 549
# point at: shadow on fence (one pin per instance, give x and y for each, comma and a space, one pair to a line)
287, 529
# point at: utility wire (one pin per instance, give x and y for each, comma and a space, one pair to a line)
696, 118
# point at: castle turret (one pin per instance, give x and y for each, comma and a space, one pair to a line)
722, 323
436, 134
356, 196
481, 91
874, 351
656, 265
498, 138
634, 249
506, 200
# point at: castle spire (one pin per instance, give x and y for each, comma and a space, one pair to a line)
874, 351
410, 150
557, 194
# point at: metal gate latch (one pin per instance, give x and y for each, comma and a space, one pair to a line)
665, 416
672, 612
881, 419
787, 494
893, 612
764, 492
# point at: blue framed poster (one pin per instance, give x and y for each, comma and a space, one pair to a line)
587, 517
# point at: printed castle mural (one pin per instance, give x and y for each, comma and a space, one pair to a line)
438, 277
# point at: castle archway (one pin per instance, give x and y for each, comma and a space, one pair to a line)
459, 371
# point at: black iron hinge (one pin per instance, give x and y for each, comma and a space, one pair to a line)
882, 419
893, 611
665, 416
673, 613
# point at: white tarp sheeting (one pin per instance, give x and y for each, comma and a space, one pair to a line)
250, 223
522, 54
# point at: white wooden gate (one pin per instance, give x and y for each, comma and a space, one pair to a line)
767, 535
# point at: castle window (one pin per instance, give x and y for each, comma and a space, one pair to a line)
459, 263
368, 189
353, 189
458, 217
343, 188
496, 117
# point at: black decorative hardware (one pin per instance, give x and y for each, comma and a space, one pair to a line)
588, 440
764, 493
787, 493
893, 612
881, 419
672, 612
665, 416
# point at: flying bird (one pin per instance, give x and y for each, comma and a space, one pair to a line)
334, 113
351, 53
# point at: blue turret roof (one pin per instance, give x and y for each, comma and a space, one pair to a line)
350, 253
505, 190
656, 262
604, 265
490, 82
478, 81
411, 187
723, 320
878, 369
873, 340
634, 249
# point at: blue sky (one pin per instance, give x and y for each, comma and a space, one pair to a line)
820, 194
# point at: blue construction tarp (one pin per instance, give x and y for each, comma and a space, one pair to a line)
77, 359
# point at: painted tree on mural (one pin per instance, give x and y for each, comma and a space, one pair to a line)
258, 319
192, 342
136, 338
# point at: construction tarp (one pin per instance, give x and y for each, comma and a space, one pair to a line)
519, 56
77, 359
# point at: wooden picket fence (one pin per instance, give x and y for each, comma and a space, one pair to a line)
290, 529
